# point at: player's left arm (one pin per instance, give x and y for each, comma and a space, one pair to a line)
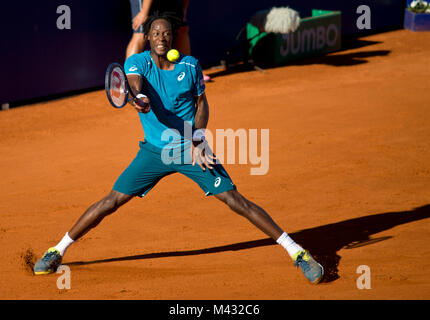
201, 117
201, 153
202, 114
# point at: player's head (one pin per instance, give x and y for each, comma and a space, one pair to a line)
161, 30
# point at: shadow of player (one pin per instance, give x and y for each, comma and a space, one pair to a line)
323, 242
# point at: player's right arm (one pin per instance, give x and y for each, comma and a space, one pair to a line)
135, 85
134, 74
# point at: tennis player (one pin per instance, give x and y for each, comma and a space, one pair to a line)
141, 9
175, 94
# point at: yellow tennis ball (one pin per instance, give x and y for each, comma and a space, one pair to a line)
173, 55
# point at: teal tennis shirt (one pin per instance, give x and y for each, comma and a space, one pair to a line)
172, 98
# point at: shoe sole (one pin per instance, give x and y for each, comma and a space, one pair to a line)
321, 277
38, 273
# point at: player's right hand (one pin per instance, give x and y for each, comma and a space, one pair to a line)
141, 104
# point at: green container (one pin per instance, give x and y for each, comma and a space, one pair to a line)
316, 36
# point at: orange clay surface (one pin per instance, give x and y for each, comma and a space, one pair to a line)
349, 179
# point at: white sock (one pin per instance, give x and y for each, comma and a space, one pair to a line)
289, 244
64, 244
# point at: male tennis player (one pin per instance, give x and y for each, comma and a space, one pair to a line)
175, 93
141, 9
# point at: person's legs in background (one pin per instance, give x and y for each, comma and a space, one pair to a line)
182, 44
136, 44
137, 41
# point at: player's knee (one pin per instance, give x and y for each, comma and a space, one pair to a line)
235, 201
109, 204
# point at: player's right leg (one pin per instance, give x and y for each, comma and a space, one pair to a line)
91, 218
142, 174
97, 212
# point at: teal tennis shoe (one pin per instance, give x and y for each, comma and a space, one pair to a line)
49, 263
311, 269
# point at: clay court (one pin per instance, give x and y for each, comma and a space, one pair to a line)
349, 179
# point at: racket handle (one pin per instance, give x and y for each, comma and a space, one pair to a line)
139, 101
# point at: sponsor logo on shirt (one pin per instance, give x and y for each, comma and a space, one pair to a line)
134, 68
181, 76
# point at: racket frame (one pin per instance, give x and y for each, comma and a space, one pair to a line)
127, 89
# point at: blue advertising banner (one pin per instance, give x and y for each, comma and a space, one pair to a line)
40, 59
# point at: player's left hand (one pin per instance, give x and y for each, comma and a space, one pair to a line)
202, 155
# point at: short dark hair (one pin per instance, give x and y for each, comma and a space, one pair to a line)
171, 17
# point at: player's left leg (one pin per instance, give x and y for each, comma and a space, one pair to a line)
217, 182
255, 214
311, 269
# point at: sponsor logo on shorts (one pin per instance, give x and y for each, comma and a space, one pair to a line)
132, 69
181, 76
217, 182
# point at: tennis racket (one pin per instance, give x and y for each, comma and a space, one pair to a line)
117, 88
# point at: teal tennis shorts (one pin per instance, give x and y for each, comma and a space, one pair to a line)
147, 169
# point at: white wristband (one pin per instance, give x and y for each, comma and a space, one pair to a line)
199, 135
140, 96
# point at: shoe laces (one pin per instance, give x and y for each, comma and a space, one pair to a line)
48, 255
300, 262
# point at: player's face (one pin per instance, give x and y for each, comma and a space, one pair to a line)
160, 37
